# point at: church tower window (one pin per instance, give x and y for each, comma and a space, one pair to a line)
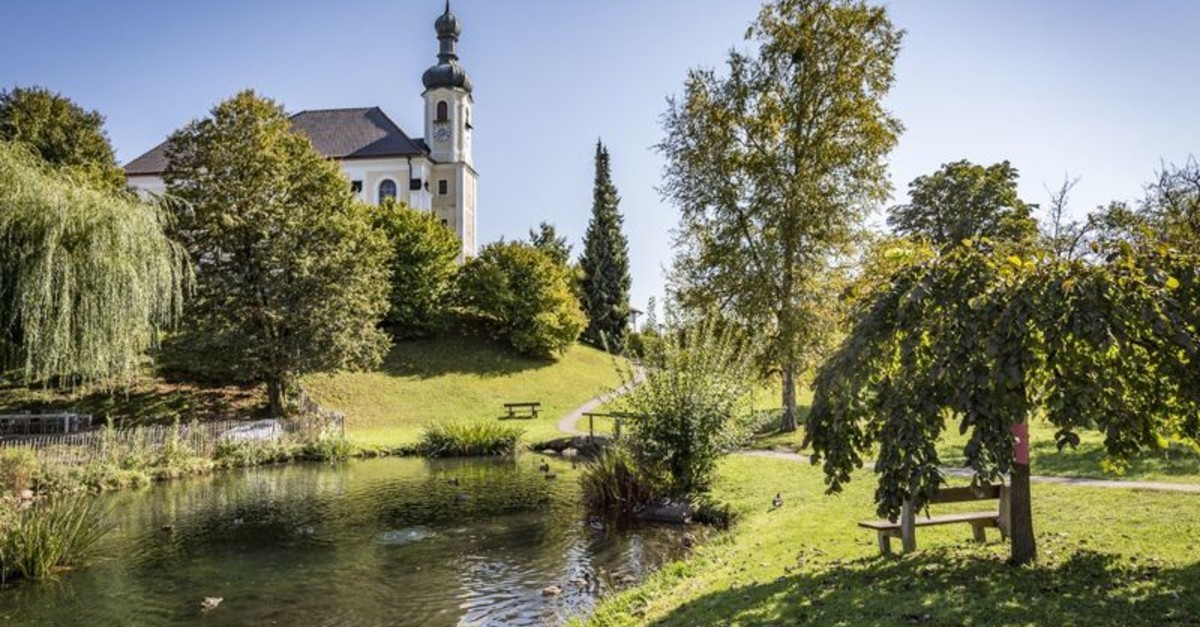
387, 189
443, 187
443, 112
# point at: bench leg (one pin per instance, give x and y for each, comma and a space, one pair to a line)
885, 543
980, 533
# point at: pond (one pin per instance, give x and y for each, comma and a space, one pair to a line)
382, 542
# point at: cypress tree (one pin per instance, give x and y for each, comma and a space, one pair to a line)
605, 263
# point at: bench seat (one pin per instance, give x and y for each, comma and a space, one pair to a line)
990, 519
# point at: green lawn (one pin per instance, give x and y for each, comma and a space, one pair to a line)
1175, 464
460, 379
1108, 557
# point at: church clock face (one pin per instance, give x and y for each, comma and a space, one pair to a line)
441, 134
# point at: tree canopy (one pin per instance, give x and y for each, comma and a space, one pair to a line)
292, 279
523, 297
774, 165
88, 278
605, 263
423, 263
990, 341
962, 201
547, 239
62, 133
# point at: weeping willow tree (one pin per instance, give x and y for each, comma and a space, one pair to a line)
87, 278
989, 342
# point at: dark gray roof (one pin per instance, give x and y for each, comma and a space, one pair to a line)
336, 133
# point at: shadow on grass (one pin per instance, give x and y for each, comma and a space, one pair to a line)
152, 402
1087, 461
427, 359
943, 589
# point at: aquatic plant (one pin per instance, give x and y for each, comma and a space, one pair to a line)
469, 439
37, 542
613, 486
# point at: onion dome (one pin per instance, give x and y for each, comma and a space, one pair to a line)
447, 73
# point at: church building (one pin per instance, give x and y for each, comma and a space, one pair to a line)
434, 173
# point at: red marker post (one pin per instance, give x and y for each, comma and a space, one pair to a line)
1020, 433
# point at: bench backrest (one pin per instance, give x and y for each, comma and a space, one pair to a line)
967, 494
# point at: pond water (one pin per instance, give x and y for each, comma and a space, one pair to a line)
383, 542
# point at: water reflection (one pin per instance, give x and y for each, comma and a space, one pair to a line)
386, 542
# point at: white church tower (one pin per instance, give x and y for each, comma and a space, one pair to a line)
448, 111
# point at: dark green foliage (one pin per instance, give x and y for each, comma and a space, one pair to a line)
88, 279
989, 341
613, 486
292, 278
469, 439
522, 297
62, 133
773, 166
965, 201
18, 467
423, 264
546, 239
605, 263
39, 541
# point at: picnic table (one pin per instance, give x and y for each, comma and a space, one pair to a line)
533, 407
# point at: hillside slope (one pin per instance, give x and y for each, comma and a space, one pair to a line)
459, 379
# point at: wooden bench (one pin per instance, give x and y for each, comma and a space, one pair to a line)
906, 527
532, 407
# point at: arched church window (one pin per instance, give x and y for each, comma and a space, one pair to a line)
443, 111
387, 189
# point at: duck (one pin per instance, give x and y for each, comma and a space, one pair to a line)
777, 502
210, 603
550, 475
461, 498
545, 467
452, 481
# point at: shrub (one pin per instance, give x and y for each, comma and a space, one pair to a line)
18, 466
42, 539
329, 447
613, 486
469, 439
424, 258
692, 403
523, 297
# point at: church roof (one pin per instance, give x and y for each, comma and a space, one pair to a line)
363, 133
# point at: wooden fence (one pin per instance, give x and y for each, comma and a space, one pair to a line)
200, 438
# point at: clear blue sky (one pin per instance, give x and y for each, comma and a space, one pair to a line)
1103, 90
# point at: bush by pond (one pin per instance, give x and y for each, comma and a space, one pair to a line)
38, 541
469, 439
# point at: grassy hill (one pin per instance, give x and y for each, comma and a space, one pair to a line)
459, 379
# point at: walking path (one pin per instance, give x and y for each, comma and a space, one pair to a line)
570, 423
1073, 481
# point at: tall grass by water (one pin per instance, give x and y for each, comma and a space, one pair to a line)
612, 485
39, 541
469, 439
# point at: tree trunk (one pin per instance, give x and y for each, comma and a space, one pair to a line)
789, 423
277, 398
1024, 547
